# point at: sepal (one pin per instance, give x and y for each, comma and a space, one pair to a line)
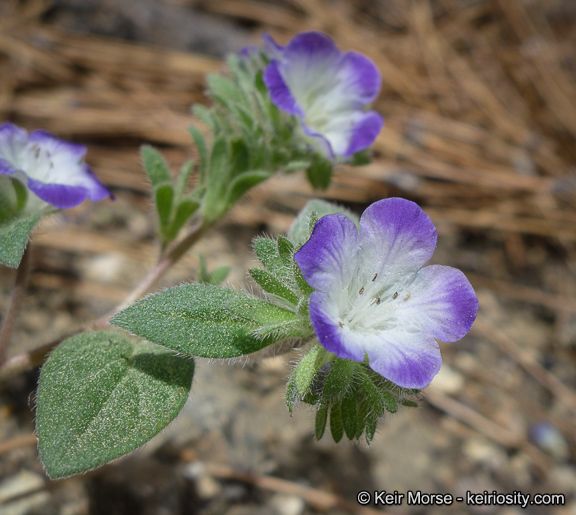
354, 396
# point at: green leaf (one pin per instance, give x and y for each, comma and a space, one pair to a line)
312, 221
309, 365
260, 84
218, 170
214, 202
361, 158
371, 425
390, 402
299, 232
239, 156
203, 270
303, 286
163, 196
286, 252
206, 321
319, 174
182, 179
155, 166
214, 277
339, 378
291, 394
186, 208
14, 236
349, 415
243, 183
297, 165
361, 417
13, 197
224, 90
409, 404
218, 275
321, 419
336, 424
21, 194
372, 395
102, 395
267, 252
205, 115
273, 286
202, 148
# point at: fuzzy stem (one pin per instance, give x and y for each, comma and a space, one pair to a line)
37, 356
15, 304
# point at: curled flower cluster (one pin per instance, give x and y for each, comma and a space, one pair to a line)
327, 90
374, 297
53, 170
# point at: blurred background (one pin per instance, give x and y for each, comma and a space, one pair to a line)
479, 98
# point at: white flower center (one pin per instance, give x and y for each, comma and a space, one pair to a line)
37, 162
370, 306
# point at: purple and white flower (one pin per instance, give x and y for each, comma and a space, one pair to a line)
327, 89
53, 170
375, 297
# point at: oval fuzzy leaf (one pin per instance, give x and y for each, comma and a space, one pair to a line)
155, 166
206, 321
14, 236
102, 395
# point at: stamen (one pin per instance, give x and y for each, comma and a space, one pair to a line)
374, 278
407, 296
378, 301
361, 290
395, 296
341, 324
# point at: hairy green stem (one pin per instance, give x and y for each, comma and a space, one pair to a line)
171, 256
15, 304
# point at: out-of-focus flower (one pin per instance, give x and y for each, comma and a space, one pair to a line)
327, 89
53, 170
373, 297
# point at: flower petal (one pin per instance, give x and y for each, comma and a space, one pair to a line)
55, 145
364, 132
59, 195
442, 303
13, 144
331, 335
350, 131
272, 49
279, 91
309, 66
359, 78
329, 257
396, 238
320, 141
410, 360
54, 170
